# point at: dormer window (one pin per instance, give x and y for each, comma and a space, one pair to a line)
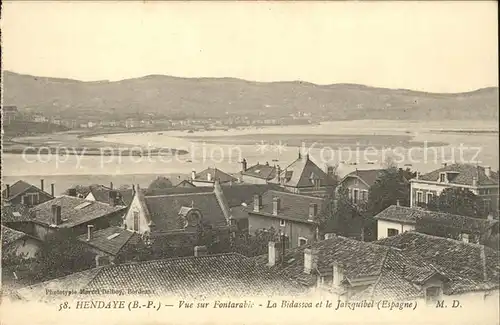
442, 177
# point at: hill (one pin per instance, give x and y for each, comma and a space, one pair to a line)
213, 97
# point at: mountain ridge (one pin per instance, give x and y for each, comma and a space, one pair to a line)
216, 97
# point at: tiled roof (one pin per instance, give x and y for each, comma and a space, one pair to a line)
301, 172
177, 190
216, 174
368, 176
261, 171
293, 206
110, 240
359, 259
71, 216
469, 267
223, 275
396, 267
164, 209
15, 212
17, 189
101, 194
413, 215
462, 174
240, 193
10, 235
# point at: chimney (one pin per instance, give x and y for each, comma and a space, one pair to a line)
72, 192
313, 210
133, 188
257, 202
272, 253
338, 275
474, 181
445, 164
7, 191
244, 165
310, 260
113, 198
278, 172
193, 174
89, 232
276, 205
200, 251
56, 214
300, 156
52, 189
487, 171
101, 260
267, 163
418, 175
397, 202
209, 177
111, 185
41, 184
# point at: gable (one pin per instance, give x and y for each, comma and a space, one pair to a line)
137, 207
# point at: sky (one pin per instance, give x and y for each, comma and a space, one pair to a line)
429, 46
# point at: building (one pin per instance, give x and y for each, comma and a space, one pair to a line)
106, 194
472, 270
195, 277
303, 176
68, 212
257, 174
109, 242
178, 216
23, 193
10, 113
18, 244
208, 177
17, 217
398, 219
359, 182
295, 216
407, 267
481, 181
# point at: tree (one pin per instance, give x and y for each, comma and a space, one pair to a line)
61, 254
160, 183
389, 188
256, 244
456, 200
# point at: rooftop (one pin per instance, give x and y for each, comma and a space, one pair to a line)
222, 275
462, 174
301, 173
367, 176
261, 171
15, 212
110, 240
19, 188
164, 209
74, 211
10, 235
292, 206
215, 174
101, 194
412, 215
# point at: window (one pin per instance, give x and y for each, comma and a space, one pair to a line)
355, 195
282, 222
487, 205
429, 197
364, 195
392, 232
317, 184
420, 197
442, 177
432, 295
302, 241
136, 221
30, 199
